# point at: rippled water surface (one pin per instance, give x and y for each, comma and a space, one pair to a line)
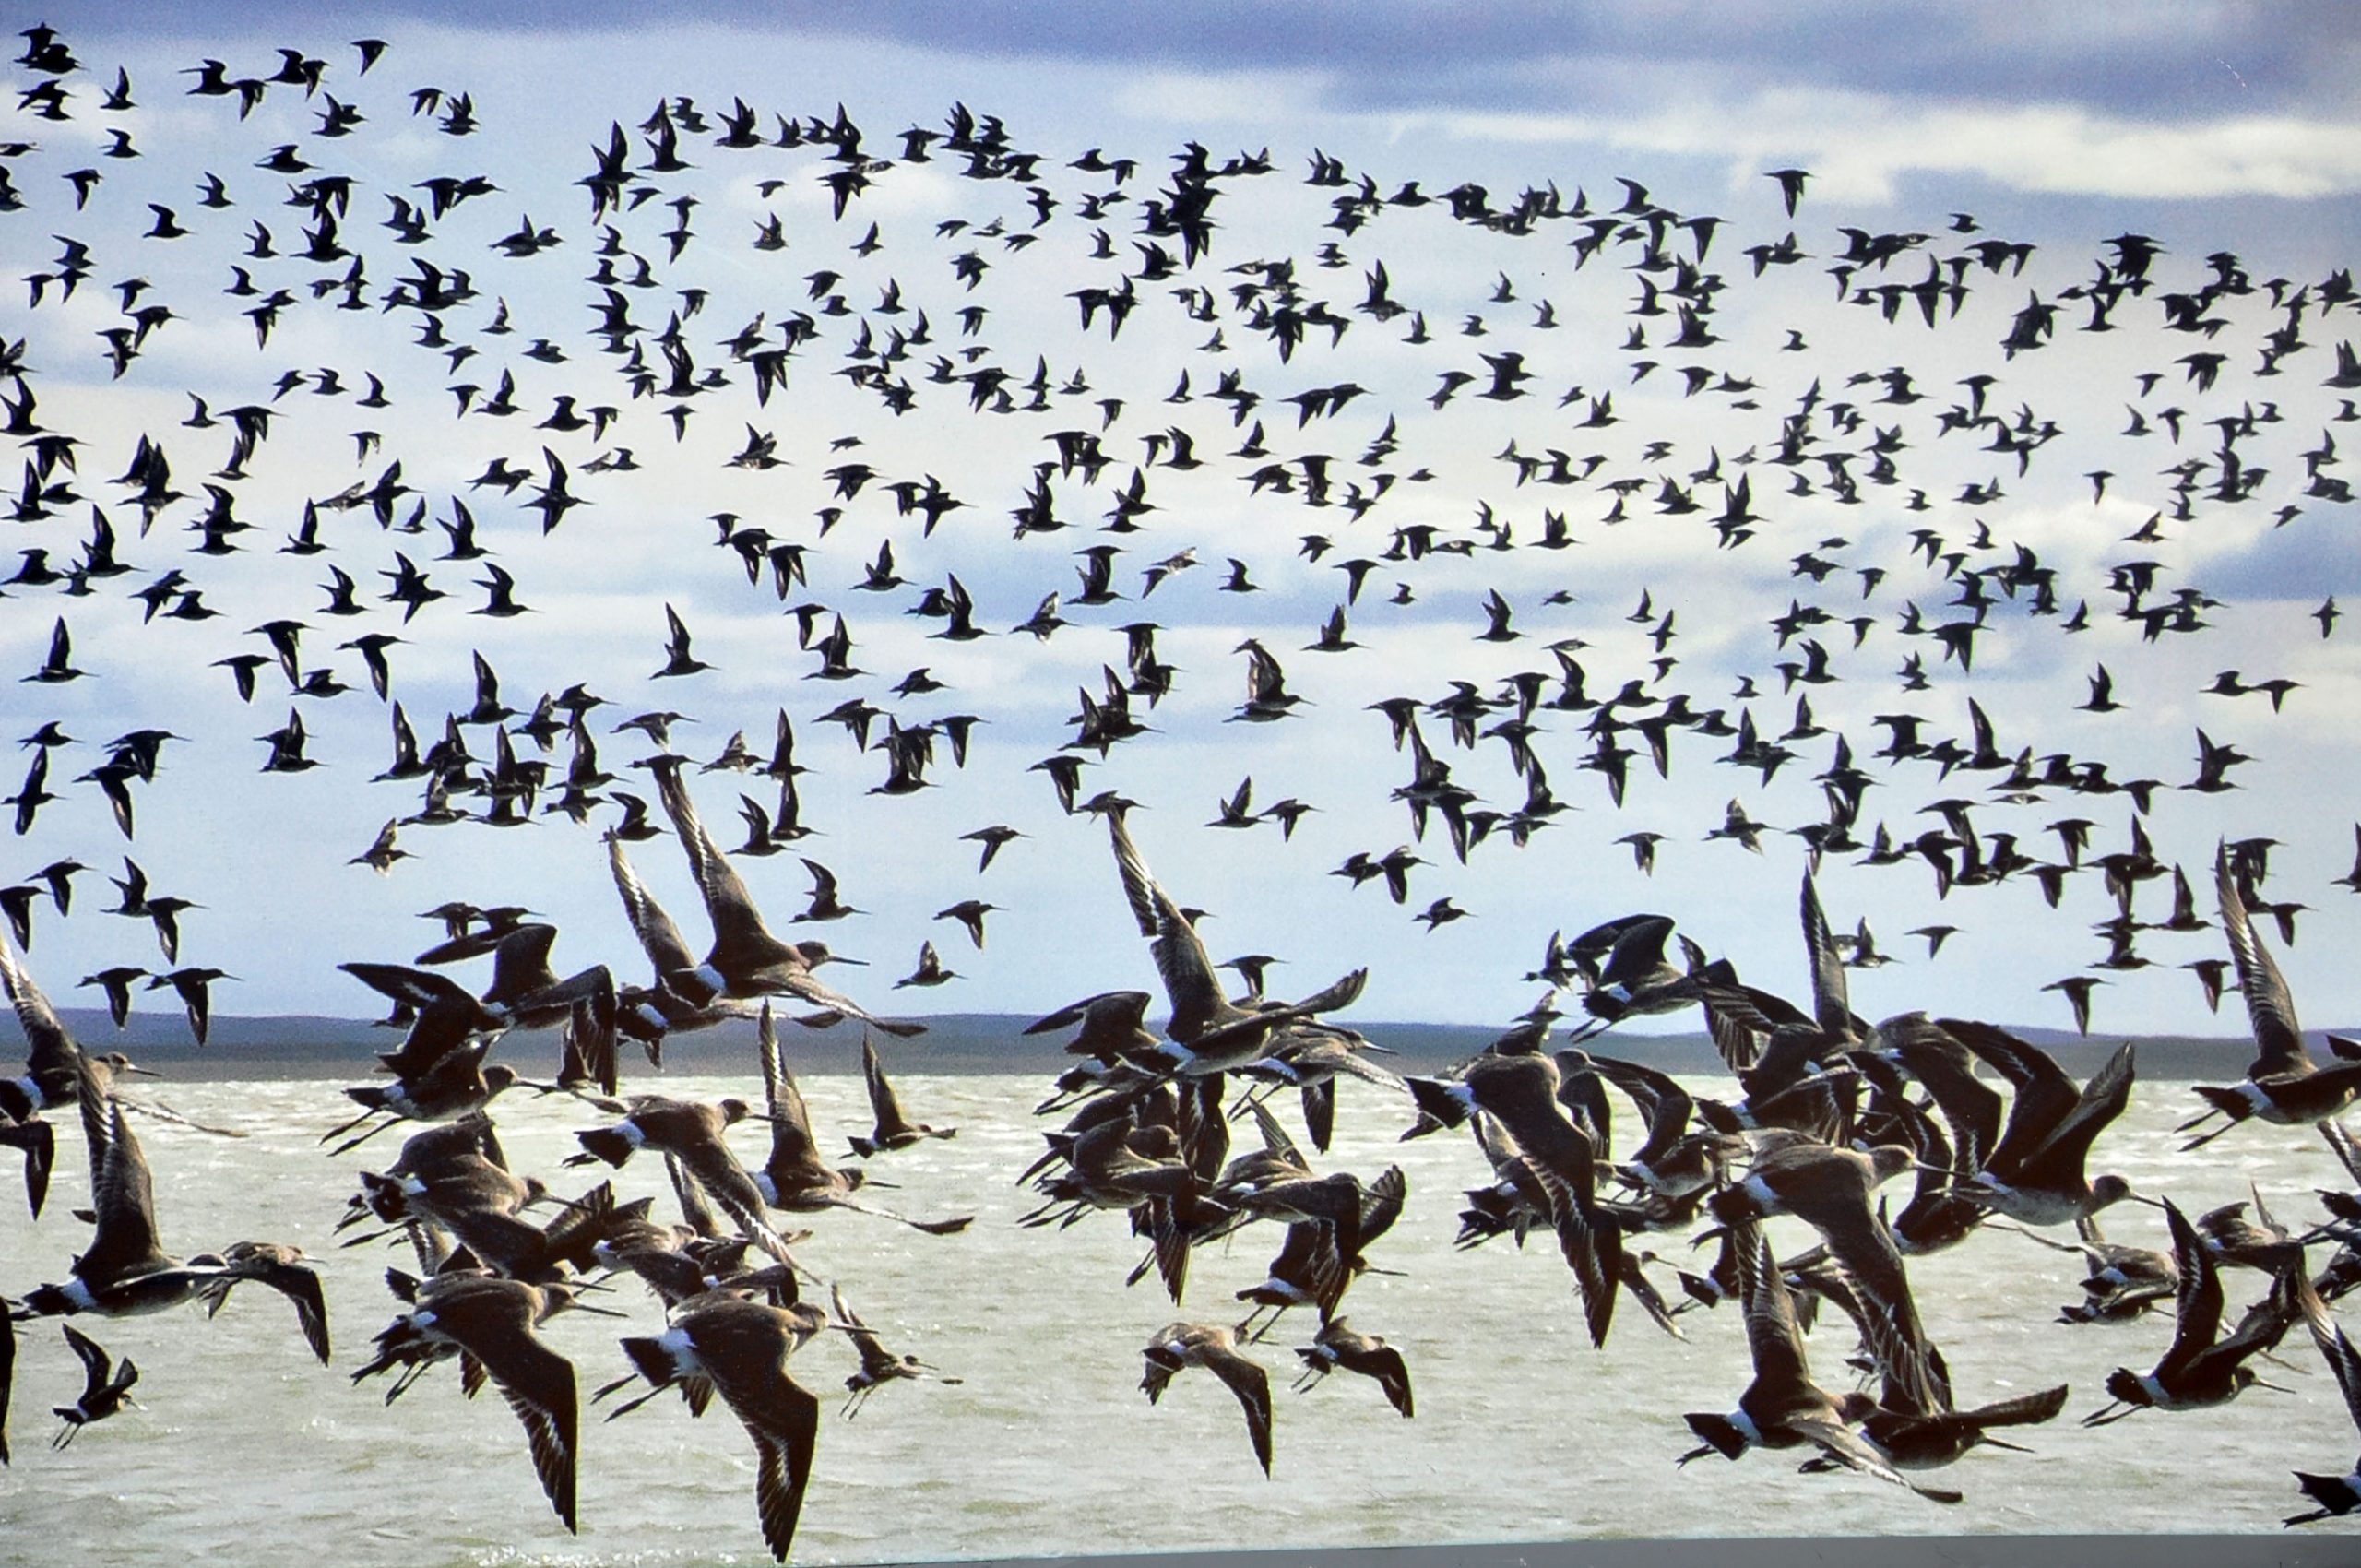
248, 1448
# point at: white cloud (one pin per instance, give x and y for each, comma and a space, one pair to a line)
1860, 146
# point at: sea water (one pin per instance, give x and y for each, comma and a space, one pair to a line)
1045, 1446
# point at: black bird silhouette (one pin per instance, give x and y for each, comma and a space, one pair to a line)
678, 660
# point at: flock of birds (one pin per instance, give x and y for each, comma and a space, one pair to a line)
1831, 1106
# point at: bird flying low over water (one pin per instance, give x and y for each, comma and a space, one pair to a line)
2335, 1495
1339, 1346
489, 1322
106, 1388
2283, 1085
1215, 1347
125, 1271
726, 1344
2203, 1367
1783, 1407
1553, 1164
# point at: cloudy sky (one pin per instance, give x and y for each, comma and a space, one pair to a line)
2210, 128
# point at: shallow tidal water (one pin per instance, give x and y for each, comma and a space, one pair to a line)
1046, 1446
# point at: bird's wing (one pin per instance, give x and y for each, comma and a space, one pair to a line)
47, 1044
1589, 1241
658, 937
1664, 1104
874, 1357
1971, 1106
2197, 1302
737, 924
2341, 1358
883, 1105
121, 1190
300, 1286
1181, 957
538, 1383
422, 988
1380, 1204
1829, 1004
96, 1362
1253, 1386
1890, 1318
694, 1209
785, 1425
2044, 1096
1139, 887
791, 1141
1774, 1341
1276, 1138
1848, 1448
2278, 1038
2101, 1101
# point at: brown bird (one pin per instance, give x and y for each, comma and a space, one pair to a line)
2281, 1086
2035, 1174
745, 961
1338, 1346
879, 1366
489, 1322
892, 1130
1783, 1407
1214, 1346
739, 1349
2202, 1368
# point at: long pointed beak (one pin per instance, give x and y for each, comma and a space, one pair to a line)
628, 1406
350, 1143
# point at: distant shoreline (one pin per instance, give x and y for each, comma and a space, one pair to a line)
306, 1047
